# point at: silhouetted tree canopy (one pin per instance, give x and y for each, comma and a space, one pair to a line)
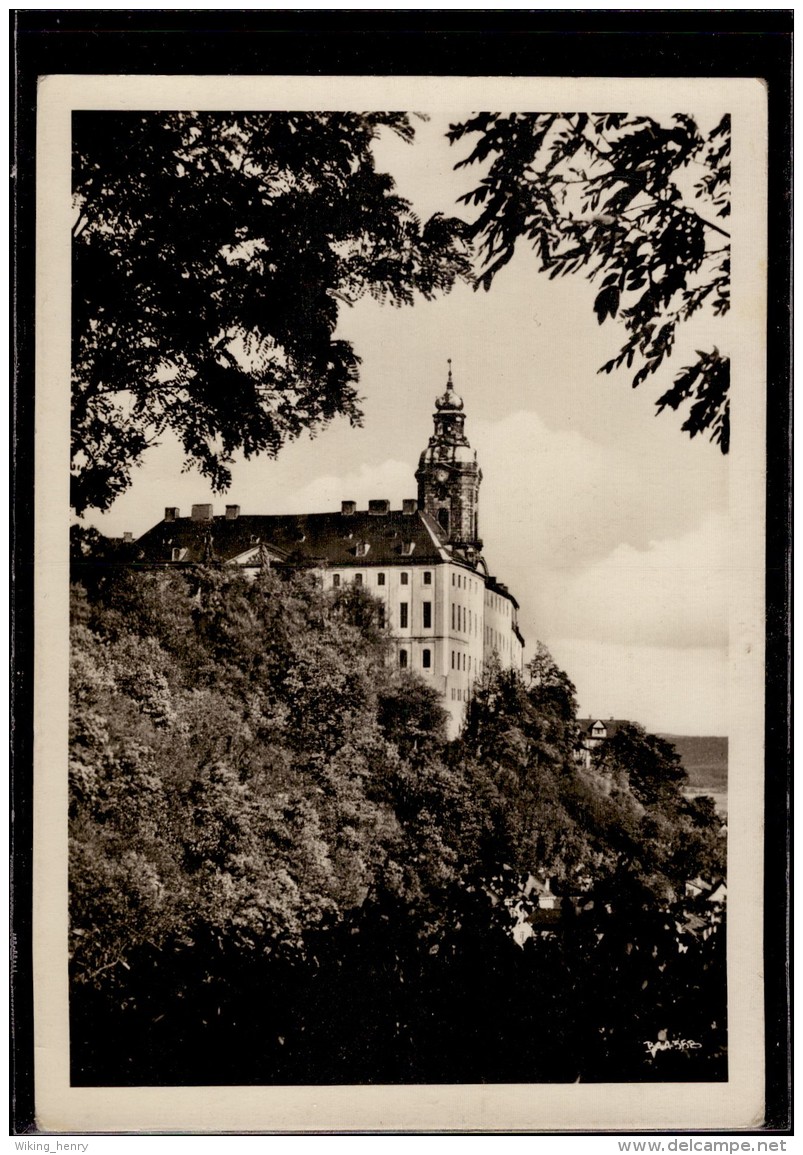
638, 207
211, 255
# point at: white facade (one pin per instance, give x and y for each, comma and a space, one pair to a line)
445, 622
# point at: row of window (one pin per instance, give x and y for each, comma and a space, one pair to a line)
426, 659
463, 661
498, 603
459, 695
404, 579
362, 548
463, 621
459, 662
494, 638
462, 581
426, 615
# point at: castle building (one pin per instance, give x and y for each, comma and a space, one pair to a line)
444, 610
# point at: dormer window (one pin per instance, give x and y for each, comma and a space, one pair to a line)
361, 548
178, 554
407, 548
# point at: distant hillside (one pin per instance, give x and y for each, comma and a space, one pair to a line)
705, 760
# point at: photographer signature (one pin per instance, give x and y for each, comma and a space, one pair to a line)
671, 1045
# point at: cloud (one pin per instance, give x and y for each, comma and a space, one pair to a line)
600, 542
673, 593
391, 479
565, 499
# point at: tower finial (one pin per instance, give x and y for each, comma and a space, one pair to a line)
449, 399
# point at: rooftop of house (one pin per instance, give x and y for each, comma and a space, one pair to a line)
611, 725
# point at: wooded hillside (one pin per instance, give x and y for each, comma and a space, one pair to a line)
281, 871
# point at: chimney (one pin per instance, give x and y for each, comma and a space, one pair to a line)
128, 536
232, 512
410, 505
171, 512
347, 508
379, 507
202, 513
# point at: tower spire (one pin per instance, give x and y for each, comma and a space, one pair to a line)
448, 475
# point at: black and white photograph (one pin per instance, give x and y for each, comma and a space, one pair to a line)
409, 732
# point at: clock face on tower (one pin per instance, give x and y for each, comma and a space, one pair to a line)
442, 474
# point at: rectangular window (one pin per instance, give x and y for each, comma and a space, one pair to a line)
452, 659
427, 577
336, 580
426, 659
381, 615
427, 615
403, 615
452, 579
403, 659
405, 579
452, 611
358, 579
380, 579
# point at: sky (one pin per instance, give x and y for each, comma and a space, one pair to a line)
609, 524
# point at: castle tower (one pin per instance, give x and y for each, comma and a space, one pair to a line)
448, 475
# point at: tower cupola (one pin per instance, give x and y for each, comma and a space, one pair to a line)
448, 475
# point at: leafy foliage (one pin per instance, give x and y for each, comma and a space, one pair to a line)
611, 195
211, 254
281, 872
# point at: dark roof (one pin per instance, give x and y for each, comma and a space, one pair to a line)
313, 538
610, 724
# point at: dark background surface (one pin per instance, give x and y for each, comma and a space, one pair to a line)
415, 42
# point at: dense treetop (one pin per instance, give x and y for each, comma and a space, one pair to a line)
211, 255
261, 803
640, 207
